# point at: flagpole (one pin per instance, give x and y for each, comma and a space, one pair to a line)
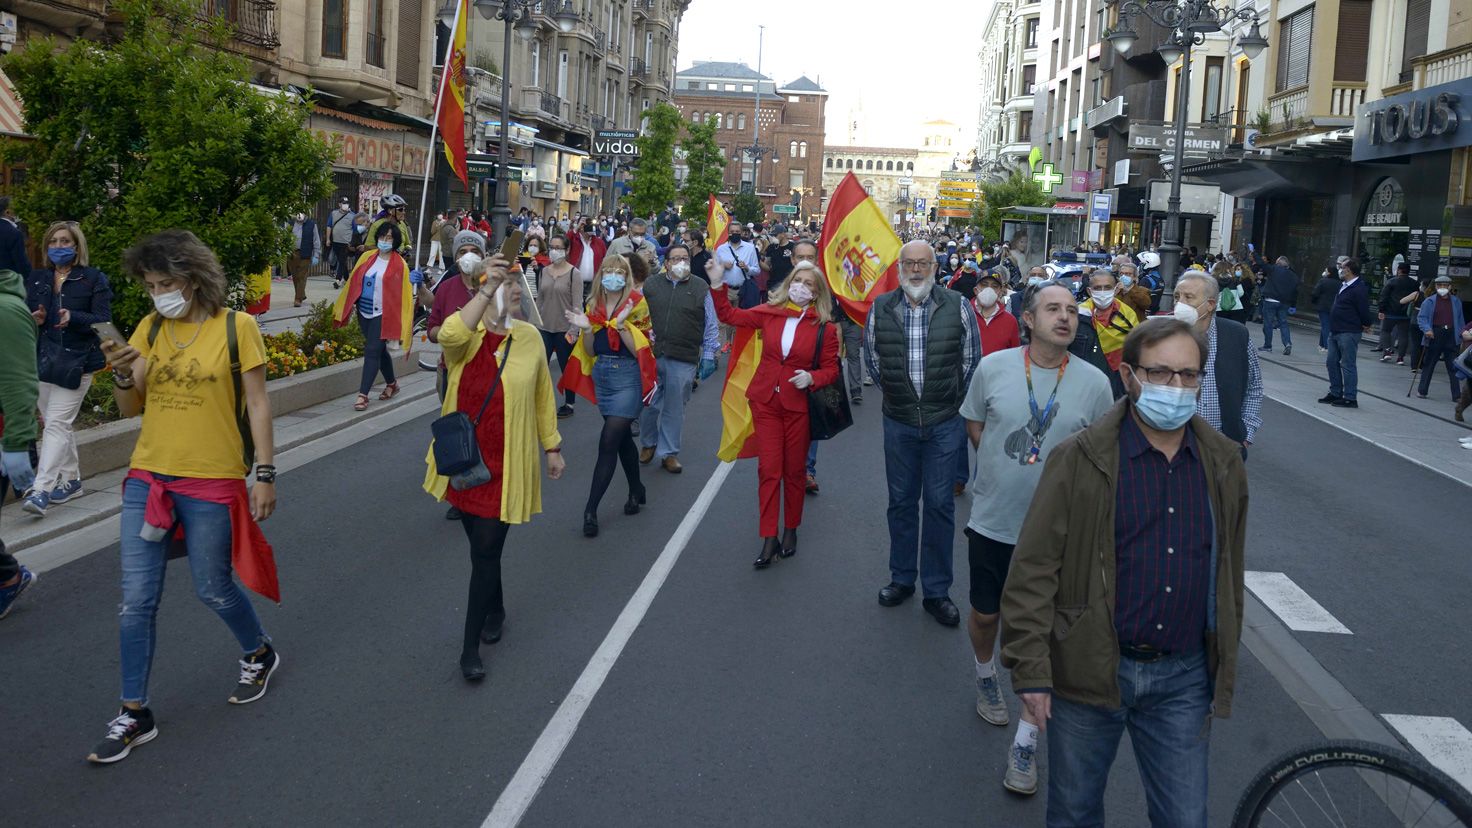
439, 101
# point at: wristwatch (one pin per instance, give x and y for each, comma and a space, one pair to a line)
266, 473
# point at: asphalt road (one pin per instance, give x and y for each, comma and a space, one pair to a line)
782, 697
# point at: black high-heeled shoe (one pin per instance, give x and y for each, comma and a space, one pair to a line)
636, 499
789, 543
472, 668
770, 550
590, 524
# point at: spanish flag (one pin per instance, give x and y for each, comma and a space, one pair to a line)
577, 377
737, 426
860, 250
717, 225
398, 298
450, 106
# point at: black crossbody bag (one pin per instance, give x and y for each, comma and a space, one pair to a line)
828, 408
456, 450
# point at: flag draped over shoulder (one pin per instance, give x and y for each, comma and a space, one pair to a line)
717, 225
577, 377
398, 298
860, 250
451, 103
737, 426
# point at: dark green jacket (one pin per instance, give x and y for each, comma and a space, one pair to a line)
18, 384
945, 381
1059, 598
677, 313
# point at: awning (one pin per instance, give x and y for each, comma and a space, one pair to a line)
1073, 212
1270, 175
544, 144
358, 119
11, 120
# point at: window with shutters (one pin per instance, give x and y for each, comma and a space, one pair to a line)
1352, 45
1211, 102
374, 34
334, 28
1295, 36
1418, 22
406, 72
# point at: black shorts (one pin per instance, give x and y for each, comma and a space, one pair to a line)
989, 561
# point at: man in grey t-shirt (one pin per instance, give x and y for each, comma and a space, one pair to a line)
1021, 403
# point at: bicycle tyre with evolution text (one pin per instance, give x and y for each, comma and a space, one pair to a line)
1338, 782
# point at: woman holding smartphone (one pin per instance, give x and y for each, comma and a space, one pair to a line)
69, 297
188, 469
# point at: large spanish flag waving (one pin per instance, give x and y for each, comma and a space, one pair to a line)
577, 377
737, 426
450, 107
860, 250
717, 225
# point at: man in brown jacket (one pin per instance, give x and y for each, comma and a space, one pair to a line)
1123, 606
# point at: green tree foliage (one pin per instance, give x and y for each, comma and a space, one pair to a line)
159, 129
746, 208
653, 185
706, 167
1017, 190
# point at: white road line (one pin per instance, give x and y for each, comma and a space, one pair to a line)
1290, 603
1442, 740
538, 764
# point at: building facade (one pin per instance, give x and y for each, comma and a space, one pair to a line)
785, 123
1009, 77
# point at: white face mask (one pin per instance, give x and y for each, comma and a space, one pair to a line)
556, 255
467, 262
532, 251
987, 297
1102, 298
1187, 313
171, 305
680, 271
1443, 291
800, 294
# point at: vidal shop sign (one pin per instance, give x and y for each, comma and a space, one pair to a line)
616, 143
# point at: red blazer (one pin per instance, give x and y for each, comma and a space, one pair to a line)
774, 371
575, 250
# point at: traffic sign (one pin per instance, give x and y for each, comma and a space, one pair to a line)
919, 205
1100, 206
790, 209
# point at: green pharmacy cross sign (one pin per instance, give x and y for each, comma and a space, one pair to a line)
1047, 179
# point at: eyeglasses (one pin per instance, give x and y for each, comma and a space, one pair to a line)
916, 264
1160, 375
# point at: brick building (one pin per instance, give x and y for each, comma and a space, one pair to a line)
790, 131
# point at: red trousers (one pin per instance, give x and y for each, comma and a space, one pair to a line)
782, 439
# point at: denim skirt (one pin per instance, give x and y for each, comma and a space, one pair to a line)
618, 386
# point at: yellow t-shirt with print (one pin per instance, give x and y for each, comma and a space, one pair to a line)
189, 427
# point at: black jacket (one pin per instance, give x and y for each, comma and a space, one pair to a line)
1324, 292
87, 296
1398, 288
13, 249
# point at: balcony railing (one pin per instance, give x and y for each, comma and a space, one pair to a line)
551, 104
598, 122
1442, 67
251, 21
638, 68
600, 38
1288, 108
1345, 97
375, 56
642, 7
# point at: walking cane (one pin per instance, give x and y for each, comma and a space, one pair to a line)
1416, 371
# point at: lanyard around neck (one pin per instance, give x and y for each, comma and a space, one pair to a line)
1044, 416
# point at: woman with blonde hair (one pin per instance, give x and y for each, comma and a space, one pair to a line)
799, 311
66, 297
196, 372
615, 370
497, 374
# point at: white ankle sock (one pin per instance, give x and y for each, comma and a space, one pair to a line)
1027, 735
986, 669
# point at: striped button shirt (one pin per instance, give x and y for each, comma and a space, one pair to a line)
1209, 402
1162, 544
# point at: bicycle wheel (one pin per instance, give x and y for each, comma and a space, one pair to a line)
1352, 783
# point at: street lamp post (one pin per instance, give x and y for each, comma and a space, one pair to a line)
1189, 22
517, 15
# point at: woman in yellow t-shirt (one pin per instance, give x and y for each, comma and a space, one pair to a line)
189, 467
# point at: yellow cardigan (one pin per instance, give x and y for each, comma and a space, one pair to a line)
530, 413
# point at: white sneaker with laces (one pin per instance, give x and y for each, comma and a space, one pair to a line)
1022, 770
989, 704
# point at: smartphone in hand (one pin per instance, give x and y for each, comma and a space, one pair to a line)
107, 330
511, 247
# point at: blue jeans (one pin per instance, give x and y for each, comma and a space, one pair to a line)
663, 419
376, 357
920, 465
963, 459
813, 458
1166, 705
207, 537
1323, 329
1344, 375
1275, 315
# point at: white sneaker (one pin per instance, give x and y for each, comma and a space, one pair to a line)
1022, 770
989, 704
1323, 350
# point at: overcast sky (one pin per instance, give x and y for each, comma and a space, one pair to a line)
904, 63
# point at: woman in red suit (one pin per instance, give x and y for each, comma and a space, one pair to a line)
789, 324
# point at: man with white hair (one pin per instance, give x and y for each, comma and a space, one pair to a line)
921, 346
1231, 385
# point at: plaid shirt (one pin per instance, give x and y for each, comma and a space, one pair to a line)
1208, 403
917, 331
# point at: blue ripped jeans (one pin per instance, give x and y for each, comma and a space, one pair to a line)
207, 537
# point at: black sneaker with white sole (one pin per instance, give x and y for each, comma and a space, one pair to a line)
255, 673
130, 729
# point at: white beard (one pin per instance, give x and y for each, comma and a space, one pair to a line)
918, 293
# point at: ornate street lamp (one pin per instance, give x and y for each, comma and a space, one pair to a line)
1189, 21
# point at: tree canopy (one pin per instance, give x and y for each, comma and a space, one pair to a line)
653, 185
706, 168
1017, 190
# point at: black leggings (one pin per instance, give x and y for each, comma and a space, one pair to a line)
615, 445
375, 354
487, 538
557, 344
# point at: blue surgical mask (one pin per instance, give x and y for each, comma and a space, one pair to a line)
386, 245
61, 256
360, 228
613, 282
1126, 280
1165, 407
1034, 281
